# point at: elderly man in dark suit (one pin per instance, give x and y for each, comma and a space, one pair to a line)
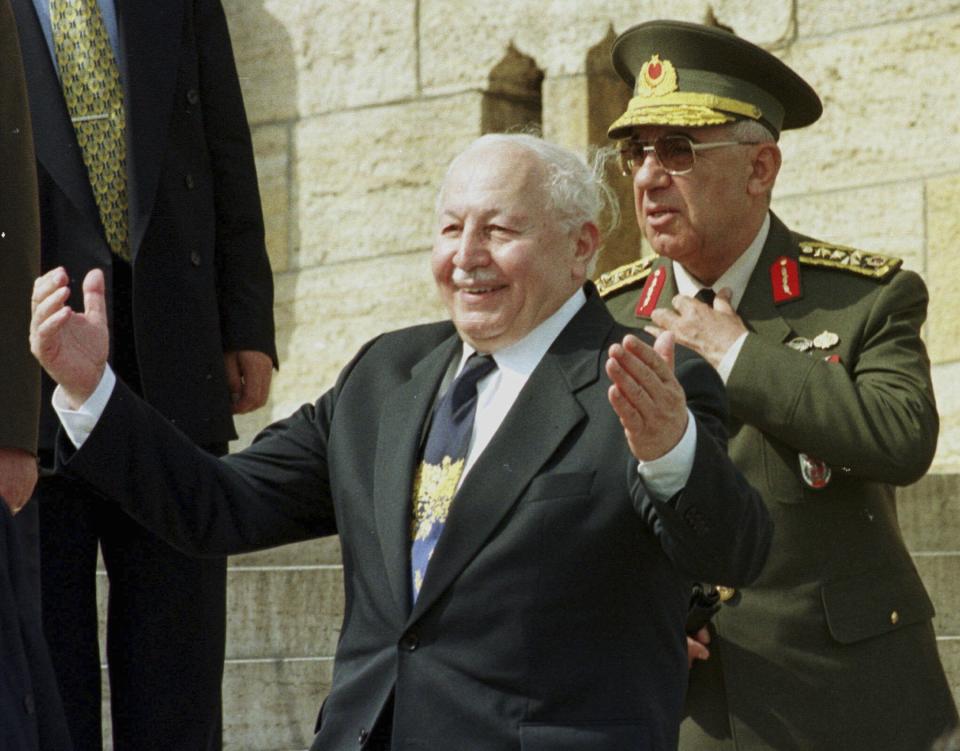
830, 398
517, 554
31, 715
146, 170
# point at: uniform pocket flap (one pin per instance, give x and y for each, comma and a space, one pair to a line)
874, 603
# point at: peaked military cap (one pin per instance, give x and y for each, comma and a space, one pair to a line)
689, 75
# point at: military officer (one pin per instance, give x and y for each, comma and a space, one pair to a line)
830, 398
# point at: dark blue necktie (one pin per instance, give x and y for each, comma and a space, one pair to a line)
444, 454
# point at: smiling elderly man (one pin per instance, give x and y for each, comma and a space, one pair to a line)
830, 398
517, 553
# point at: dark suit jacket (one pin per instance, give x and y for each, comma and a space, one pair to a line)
201, 279
833, 647
31, 716
551, 616
19, 249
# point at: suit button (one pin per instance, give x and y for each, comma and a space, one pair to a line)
409, 642
189, 182
28, 705
362, 738
195, 258
894, 617
193, 96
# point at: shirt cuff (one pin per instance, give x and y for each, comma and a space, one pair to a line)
79, 423
725, 368
668, 475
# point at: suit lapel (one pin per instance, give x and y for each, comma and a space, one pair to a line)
548, 405
398, 446
54, 139
757, 308
150, 44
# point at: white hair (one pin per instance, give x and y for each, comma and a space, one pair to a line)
577, 190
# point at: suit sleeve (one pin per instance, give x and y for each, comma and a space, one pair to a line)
244, 279
717, 529
19, 249
878, 420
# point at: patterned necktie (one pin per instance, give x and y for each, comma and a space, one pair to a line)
444, 455
94, 96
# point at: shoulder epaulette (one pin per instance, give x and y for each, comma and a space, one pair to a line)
874, 265
624, 276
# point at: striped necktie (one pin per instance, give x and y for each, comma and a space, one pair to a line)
94, 97
444, 454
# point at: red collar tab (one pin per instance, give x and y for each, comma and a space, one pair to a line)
785, 279
650, 293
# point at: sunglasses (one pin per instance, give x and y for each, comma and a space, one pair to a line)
676, 153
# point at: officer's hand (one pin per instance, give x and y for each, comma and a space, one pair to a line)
708, 331
697, 646
72, 347
248, 377
18, 475
646, 395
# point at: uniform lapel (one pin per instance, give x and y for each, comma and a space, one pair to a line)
548, 405
757, 308
150, 44
54, 139
398, 446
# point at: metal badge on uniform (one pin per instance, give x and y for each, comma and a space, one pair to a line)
785, 279
800, 343
650, 293
826, 340
815, 472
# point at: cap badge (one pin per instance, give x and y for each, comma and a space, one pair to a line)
657, 78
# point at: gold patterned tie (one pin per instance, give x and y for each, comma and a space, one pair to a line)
94, 96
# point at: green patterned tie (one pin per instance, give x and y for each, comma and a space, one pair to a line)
94, 96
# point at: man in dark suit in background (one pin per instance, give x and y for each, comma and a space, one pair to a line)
31, 715
517, 554
830, 397
146, 170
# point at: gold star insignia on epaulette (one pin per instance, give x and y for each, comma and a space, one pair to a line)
624, 276
827, 255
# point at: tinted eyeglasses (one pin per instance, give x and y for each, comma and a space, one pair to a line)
676, 153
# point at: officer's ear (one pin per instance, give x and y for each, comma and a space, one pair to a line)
765, 166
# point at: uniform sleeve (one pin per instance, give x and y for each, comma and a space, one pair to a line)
877, 420
244, 278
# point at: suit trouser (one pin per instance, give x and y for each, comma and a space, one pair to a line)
166, 621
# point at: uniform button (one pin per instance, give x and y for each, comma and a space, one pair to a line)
28, 705
189, 182
195, 258
193, 96
894, 617
362, 737
409, 642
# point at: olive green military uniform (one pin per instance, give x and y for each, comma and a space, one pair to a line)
833, 406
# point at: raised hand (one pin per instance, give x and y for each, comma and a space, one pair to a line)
646, 395
708, 330
72, 347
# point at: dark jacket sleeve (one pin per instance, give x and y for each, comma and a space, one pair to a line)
717, 529
244, 279
19, 249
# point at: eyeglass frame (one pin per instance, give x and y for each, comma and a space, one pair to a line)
651, 148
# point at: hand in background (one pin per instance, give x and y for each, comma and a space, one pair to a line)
72, 347
248, 377
18, 475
